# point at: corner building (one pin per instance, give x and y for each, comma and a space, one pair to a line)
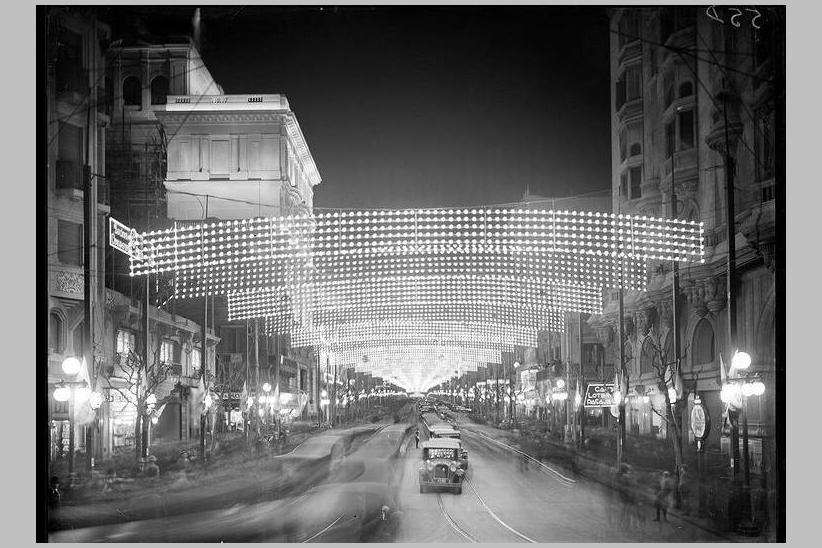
684, 90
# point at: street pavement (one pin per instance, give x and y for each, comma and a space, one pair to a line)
511, 498
507, 497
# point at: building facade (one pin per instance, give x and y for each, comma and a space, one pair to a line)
680, 121
238, 156
98, 419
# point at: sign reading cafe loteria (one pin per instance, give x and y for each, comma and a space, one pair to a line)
599, 395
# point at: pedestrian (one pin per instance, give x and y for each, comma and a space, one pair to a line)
684, 489
55, 495
417, 438
663, 495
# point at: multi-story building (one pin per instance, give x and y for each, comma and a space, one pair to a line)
692, 98
236, 157
79, 100
239, 156
75, 180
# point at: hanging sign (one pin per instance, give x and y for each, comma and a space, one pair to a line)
599, 395
700, 420
123, 238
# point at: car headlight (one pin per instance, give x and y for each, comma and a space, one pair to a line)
453, 467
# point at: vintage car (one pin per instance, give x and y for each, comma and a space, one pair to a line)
441, 467
443, 431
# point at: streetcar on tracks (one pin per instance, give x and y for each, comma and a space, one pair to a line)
441, 467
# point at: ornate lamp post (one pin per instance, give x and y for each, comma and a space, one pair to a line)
735, 393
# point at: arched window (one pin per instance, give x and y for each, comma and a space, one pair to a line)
159, 90
703, 346
686, 89
636, 149
55, 332
132, 94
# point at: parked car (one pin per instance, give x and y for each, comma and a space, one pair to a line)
441, 467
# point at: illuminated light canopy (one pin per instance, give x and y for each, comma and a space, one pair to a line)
397, 285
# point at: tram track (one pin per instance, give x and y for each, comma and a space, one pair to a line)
454, 524
562, 479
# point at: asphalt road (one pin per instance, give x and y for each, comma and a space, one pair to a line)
507, 498
510, 498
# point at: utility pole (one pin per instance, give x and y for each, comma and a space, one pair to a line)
620, 377
740, 500
581, 388
675, 409
247, 418
203, 362
89, 233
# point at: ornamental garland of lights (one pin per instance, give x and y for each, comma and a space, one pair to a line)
474, 281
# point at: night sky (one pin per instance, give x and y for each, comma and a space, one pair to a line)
421, 106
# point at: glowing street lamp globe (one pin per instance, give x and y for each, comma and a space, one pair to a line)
71, 366
62, 393
266, 387
741, 360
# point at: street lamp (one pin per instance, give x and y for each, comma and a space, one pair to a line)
735, 393
63, 393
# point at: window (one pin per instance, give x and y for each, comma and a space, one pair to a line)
686, 129
633, 86
636, 149
68, 70
670, 138
764, 144
70, 146
684, 123
686, 89
628, 27
668, 86
623, 185
132, 93
159, 90
166, 352
55, 332
703, 344
195, 359
125, 342
69, 243
636, 182
623, 143
620, 92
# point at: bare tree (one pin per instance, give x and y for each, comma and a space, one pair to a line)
136, 381
668, 376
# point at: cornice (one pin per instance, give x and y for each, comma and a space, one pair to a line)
194, 117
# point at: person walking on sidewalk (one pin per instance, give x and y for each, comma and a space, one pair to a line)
684, 489
663, 495
417, 438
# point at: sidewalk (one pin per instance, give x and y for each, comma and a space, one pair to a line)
573, 462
